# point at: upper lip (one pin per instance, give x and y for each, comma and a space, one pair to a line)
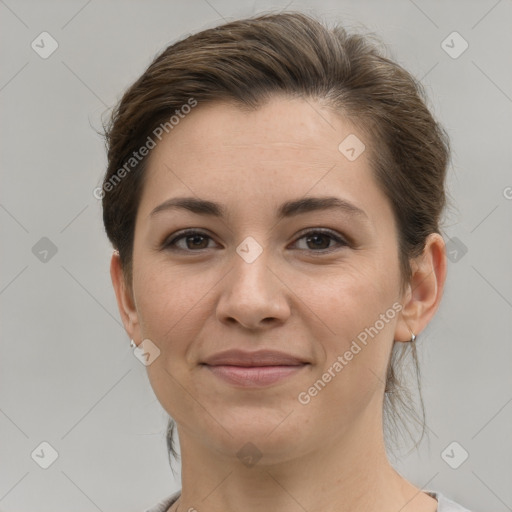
258, 358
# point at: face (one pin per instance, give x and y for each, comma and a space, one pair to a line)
317, 282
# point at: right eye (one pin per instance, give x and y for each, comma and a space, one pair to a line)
194, 240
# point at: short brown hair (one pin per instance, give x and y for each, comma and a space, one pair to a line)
250, 60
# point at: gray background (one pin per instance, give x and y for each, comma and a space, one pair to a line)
67, 373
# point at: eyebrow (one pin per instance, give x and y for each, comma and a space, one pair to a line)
286, 210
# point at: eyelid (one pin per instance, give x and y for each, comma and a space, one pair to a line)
179, 235
340, 239
343, 241
323, 231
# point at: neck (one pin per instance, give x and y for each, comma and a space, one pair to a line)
348, 473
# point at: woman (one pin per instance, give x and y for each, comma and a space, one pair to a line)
273, 195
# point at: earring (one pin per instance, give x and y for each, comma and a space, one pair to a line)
132, 344
413, 337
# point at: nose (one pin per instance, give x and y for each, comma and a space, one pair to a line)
253, 294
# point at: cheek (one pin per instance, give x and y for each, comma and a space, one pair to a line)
358, 310
171, 309
347, 298
169, 302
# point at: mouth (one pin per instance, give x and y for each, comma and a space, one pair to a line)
254, 369
254, 376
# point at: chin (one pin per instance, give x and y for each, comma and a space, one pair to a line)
272, 436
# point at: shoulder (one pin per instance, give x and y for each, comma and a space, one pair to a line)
163, 505
445, 504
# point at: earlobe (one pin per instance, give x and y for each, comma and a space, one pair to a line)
425, 289
124, 297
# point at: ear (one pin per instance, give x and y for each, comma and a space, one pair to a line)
425, 290
125, 300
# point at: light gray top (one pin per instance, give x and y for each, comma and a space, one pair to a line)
443, 503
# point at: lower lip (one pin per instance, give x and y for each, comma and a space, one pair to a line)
254, 376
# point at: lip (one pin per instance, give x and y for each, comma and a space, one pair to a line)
254, 369
258, 358
254, 376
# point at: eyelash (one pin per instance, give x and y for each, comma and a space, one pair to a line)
170, 243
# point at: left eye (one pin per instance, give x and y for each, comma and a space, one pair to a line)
317, 241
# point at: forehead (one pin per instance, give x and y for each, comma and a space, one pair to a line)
285, 149
278, 123
284, 134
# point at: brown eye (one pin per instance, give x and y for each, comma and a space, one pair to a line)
320, 240
193, 240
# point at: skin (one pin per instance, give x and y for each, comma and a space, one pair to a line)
296, 297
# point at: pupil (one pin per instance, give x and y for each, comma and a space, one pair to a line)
317, 237
195, 239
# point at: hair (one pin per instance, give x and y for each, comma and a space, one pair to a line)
252, 60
